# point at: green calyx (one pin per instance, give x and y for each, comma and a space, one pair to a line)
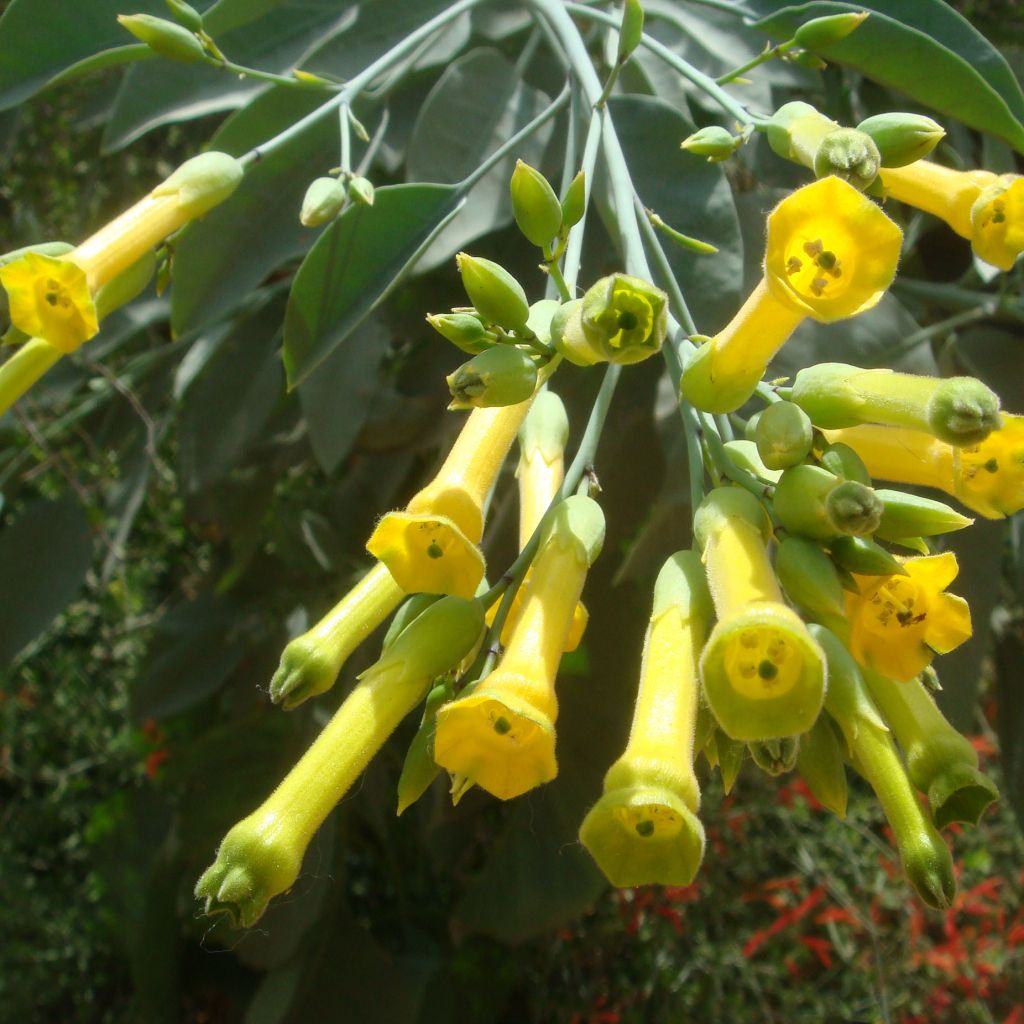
963, 411
848, 154
714, 142
865, 557
820, 764
775, 756
784, 435
167, 38
820, 33
496, 295
910, 515
811, 502
536, 208
902, 138
578, 521
323, 201
465, 331
502, 375
809, 577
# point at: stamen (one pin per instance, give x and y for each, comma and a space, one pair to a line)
793, 264
814, 249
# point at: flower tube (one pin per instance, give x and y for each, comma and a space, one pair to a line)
985, 208
501, 735
432, 546
763, 675
831, 253
940, 761
52, 297
261, 855
988, 477
897, 624
645, 828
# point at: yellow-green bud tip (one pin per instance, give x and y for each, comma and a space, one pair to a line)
323, 201
164, 37
902, 138
820, 33
848, 154
494, 292
536, 208
714, 142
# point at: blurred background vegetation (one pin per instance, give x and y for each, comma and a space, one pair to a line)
135, 729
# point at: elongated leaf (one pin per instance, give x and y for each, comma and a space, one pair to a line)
924, 49
191, 655
354, 264
222, 257
163, 92
39, 39
482, 89
44, 556
692, 196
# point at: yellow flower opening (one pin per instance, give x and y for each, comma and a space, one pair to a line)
629, 319
433, 546
988, 477
501, 736
831, 253
898, 623
985, 208
50, 299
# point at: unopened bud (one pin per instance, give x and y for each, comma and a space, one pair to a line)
185, 15
811, 502
784, 435
809, 578
909, 515
503, 375
865, 557
202, 182
464, 330
902, 138
845, 463
714, 142
745, 455
848, 154
535, 206
821, 33
632, 29
574, 202
775, 756
323, 201
360, 190
164, 37
494, 292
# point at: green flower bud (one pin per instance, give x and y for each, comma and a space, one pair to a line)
820, 764
910, 515
926, 858
545, 429
845, 463
850, 155
503, 375
464, 330
958, 410
622, 319
745, 455
795, 130
902, 138
409, 610
821, 33
419, 768
164, 37
494, 292
574, 202
864, 557
360, 190
811, 502
775, 756
185, 14
784, 435
535, 206
809, 578
323, 202
632, 29
714, 142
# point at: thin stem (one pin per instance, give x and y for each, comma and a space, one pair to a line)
953, 297
919, 337
357, 84
703, 82
555, 273
344, 130
269, 76
574, 247
771, 53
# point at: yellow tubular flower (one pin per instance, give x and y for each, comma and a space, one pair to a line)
645, 829
986, 208
52, 298
898, 623
432, 546
501, 736
763, 675
988, 477
831, 253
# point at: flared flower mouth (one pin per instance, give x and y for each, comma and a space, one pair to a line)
50, 299
763, 674
498, 741
644, 835
831, 251
989, 477
897, 623
629, 319
427, 554
997, 222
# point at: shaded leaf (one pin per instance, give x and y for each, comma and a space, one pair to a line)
44, 556
354, 264
922, 48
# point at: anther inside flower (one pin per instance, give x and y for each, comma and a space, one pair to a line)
628, 320
762, 662
831, 251
997, 219
897, 623
50, 299
651, 820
